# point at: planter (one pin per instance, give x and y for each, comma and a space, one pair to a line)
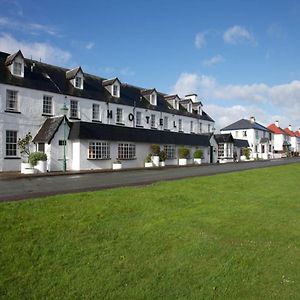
197, 161
116, 166
26, 168
162, 164
148, 164
182, 162
155, 160
41, 166
243, 158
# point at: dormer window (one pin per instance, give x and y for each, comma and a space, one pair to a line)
176, 104
173, 100
76, 77
150, 95
15, 63
153, 99
113, 86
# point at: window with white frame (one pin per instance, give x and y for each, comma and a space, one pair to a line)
228, 150
115, 90
166, 123
11, 143
126, 151
99, 150
152, 121
256, 134
17, 68
179, 125
11, 100
96, 112
192, 126
40, 147
74, 113
153, 99
119, 116
138, 118
200, 127
244, 133
221, 150
176, 104
170, 151
236, 134
47, 105
208, 127
78, 82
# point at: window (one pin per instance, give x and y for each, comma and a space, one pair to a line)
200, 127
208, 128
40, 147
126, 151
11, 143
78, 82
62, 143
236, 134
244, 133
192, 126
99, 150
228, 150
176, 104
166, 122
115, 90
221, 150
179, 124
153, 99
256, 149
270, 148
11, 100
138, 121
152, 121
47, 105
73, 109
17, 68
256, 134
96, 112
119, 116
170, 151
262, 148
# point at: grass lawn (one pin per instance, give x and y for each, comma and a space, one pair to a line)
232, 236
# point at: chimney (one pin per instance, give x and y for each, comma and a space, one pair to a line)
277, 123
193, 97
252, 120
290, 127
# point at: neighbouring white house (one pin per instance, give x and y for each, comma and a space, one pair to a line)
260, 139
293, 139
282, 141
229, 149
94, 121
297, 134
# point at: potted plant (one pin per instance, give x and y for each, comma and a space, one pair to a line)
197, 156
117, 165
155, 149
162, 158
39, 161
183, 154
148, 162
24, 146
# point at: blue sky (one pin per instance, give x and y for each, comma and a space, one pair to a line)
240, 57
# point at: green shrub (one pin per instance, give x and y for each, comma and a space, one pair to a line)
155, 149
148, 158
183, 152
34, 157
24, 145
198, 153
246, 152
162, 155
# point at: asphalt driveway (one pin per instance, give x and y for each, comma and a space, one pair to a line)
32, 187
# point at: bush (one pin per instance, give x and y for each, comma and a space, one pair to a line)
246, 152
155, 149
198, 153
183, 152
148, 158
162, 155
24, 145
34, 157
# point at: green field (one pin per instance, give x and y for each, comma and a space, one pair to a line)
232, 236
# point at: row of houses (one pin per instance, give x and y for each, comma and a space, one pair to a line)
85, 122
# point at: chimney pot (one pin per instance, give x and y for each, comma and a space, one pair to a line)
277, 123
252, 120
290, 127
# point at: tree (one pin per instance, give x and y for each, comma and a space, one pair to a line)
24, 145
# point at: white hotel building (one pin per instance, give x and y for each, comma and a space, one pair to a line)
106, 120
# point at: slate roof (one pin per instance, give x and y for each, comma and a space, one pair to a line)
241, 143
276, 130
9, 59
48, 130
49, 78
245, 124
224, 138
98, 131
71, 74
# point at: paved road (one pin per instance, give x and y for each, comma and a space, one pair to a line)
17, 189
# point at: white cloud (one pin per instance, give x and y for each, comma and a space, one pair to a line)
238, 35
200, 40
254, 99
89, 45
44, 51
213, 60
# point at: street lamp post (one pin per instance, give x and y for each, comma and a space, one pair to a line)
64, 111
